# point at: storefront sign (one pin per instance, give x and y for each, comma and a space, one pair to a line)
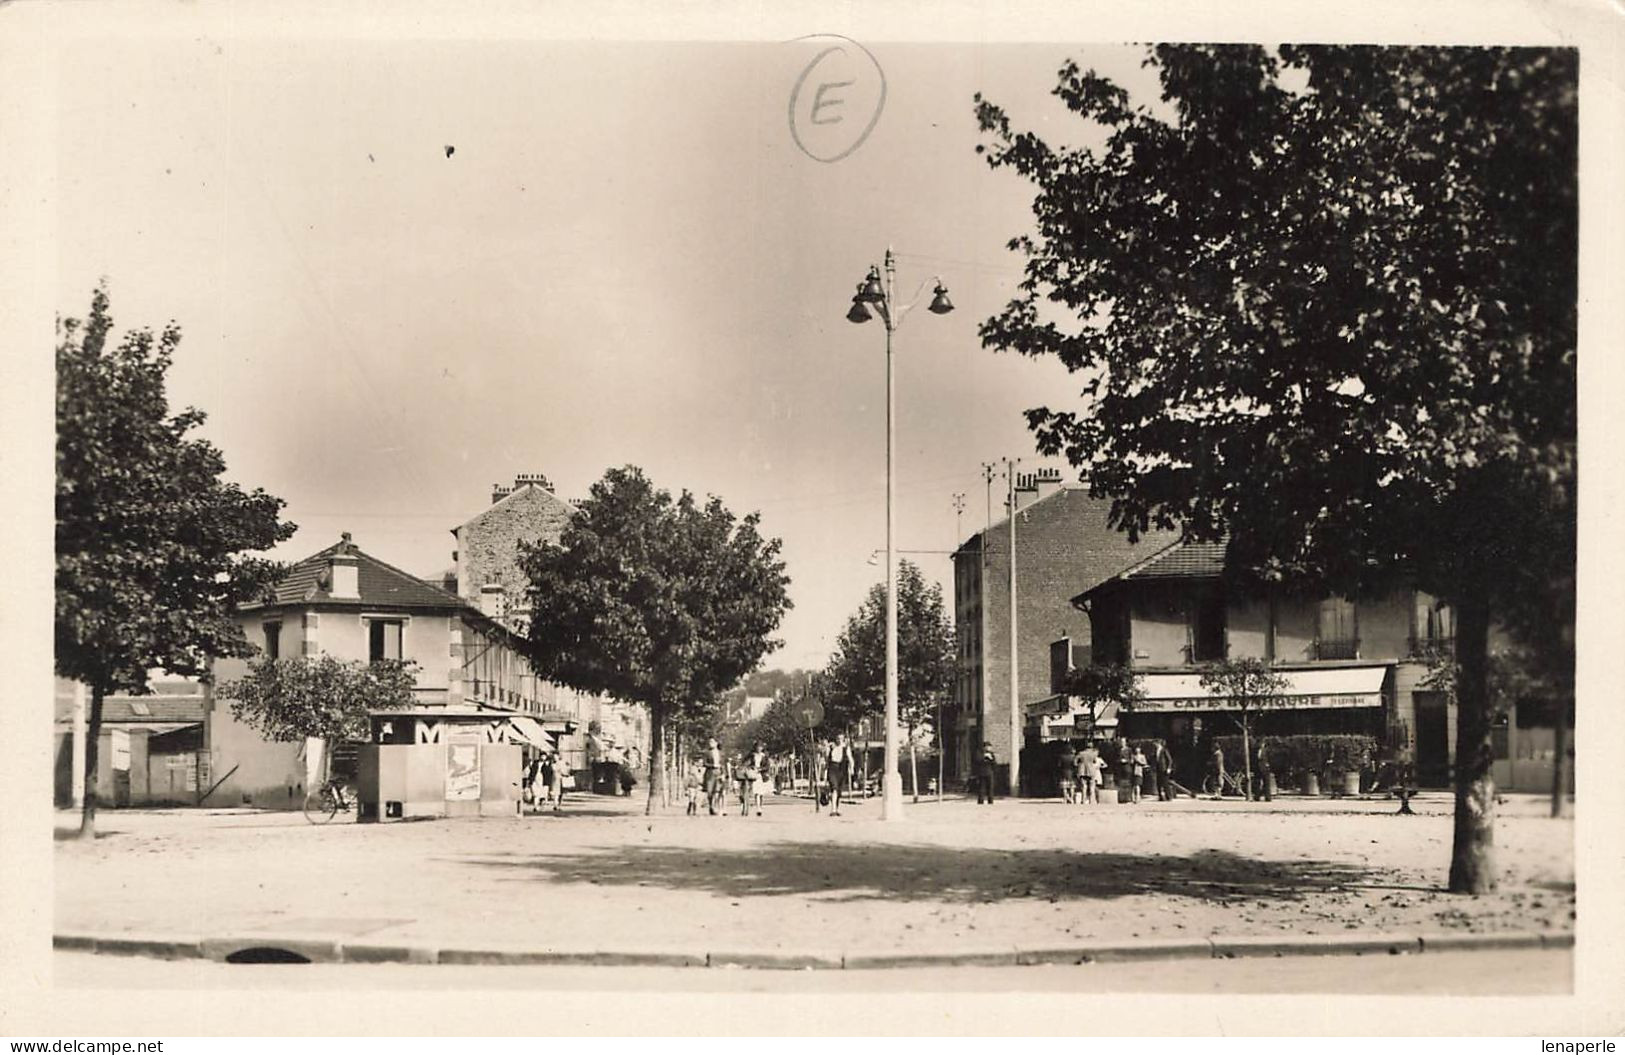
1283, 703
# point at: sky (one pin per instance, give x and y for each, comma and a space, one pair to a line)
407, 270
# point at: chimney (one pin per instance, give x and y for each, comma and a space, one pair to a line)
1026, 490
499, 492
345, 572
1047, 481
529, 479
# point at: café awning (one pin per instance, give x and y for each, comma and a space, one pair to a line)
530, 731
1306, 689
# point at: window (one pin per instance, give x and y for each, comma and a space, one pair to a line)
1338, 633
1060, 662
273, 641
384, 639
1207, 630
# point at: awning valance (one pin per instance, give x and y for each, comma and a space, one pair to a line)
1306, 689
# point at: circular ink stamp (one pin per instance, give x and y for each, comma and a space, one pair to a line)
837, 99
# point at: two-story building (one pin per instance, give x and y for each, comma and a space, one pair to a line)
1353, 666
345, 603
1062, 539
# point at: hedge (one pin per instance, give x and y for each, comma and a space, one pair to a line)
1289, 757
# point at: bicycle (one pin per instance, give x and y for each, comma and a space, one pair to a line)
1232, 783
327, 802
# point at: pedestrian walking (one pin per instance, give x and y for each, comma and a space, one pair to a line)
839, 772
691, 785
1215, 768
1163, 764
553, 773
1066, 766
533, 787
1093, 773
713, 776
1136, 773
986, 764
756, 767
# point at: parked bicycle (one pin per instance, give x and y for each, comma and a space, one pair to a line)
1233, 784
328, 801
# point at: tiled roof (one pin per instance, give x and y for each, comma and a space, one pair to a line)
139, 709
380, 585
1182, 560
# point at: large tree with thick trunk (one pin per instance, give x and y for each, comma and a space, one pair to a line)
654, 600
1323, 299
153, 549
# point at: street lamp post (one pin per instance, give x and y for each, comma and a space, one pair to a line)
871, 291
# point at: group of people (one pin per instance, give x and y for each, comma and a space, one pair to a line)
544, 781
751, 776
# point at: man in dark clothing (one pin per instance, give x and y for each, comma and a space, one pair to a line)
985, 763
1163, 763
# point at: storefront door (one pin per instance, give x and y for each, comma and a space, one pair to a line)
1432, 740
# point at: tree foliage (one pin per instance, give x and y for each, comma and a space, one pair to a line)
1098, 684
152, 546
854, 683
1323, 299
658, 601
1249, 683
319, 696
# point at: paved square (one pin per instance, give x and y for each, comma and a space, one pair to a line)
952, 877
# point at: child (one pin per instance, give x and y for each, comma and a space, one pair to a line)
691, 785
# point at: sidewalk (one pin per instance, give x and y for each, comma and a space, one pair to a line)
1019, 881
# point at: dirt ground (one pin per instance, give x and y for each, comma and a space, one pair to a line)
952, 876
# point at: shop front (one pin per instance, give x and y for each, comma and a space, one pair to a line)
1316, 701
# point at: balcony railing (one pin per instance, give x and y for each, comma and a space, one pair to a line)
1337, 648
1431, 646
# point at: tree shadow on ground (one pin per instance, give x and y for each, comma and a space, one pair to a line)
883, 871
71, 835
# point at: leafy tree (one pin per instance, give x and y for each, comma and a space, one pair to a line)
1324, 298
660, 602
1251, 685
320, 696
855, 680
1097, 684
150, 542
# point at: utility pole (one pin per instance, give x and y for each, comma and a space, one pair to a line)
982, 592
1015, 679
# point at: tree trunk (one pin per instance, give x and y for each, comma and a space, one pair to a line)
1472, 855
1246, 755
1560, 761
657, 757
913, 767
93, 735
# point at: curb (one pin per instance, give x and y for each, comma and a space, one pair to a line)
314, 949
1317, 945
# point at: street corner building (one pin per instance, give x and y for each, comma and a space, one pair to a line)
1162, 607
1351, 666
